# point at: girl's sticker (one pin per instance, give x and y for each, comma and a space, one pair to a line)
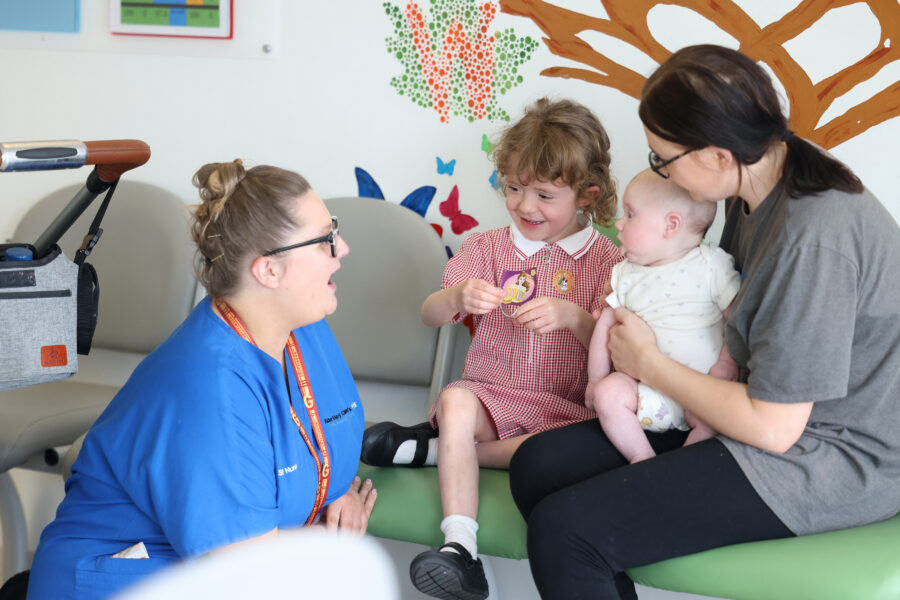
564, 281
519, 286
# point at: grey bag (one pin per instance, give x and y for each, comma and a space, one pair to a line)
39, 319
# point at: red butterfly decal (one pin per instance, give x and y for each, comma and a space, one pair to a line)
459, 222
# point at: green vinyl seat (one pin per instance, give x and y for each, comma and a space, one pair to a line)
861, 563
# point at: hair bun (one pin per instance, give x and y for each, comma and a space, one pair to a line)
216, 182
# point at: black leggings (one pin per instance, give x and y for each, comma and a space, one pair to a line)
591, 516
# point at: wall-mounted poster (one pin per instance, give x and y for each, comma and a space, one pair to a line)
179, 18
54, 15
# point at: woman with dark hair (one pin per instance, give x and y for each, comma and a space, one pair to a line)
808, 434
244, 421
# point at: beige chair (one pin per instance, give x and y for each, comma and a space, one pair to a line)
396, 260
147, 287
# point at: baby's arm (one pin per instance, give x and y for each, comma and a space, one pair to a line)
598, 353
473, 296
725, 367
599, 363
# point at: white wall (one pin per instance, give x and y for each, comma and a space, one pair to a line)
320, 103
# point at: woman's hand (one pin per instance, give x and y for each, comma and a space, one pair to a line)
350, 513
631, 343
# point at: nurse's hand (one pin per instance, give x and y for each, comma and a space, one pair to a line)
632, 344
350, 513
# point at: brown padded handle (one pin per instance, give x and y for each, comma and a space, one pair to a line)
114, 157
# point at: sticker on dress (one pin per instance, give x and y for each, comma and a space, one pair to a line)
519, 287
564, 281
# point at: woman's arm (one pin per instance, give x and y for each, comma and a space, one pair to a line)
264, 536
349, 513
726, 406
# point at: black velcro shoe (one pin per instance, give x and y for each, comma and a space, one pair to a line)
380, 443
448, 575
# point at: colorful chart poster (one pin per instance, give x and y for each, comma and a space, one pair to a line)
50, 15
180, 18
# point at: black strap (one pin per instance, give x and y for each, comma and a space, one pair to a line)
94, 233
88, 302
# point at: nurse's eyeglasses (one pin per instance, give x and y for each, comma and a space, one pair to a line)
331, 238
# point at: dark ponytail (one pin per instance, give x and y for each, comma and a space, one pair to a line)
709, 95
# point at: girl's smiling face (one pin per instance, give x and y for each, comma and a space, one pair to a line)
541, 210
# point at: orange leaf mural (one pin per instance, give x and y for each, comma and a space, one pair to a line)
453, 63
808, 102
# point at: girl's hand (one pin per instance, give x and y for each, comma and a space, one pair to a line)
546, 314
631, 343
477, 296
350, 513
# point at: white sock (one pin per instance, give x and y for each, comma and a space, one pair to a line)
462, 530
407, 451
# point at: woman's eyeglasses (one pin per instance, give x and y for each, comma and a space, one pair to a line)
331, 238
658, 164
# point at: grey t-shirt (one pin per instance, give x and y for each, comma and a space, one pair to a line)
817, 319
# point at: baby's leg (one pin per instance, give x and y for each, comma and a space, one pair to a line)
699, 430
462, 420
616, 404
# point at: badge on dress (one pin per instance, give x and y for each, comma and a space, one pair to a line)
519, 287
563, 281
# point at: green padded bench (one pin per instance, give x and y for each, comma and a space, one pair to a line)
853, 564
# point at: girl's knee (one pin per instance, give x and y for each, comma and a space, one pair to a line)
455, 405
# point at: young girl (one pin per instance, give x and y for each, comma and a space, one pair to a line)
526, 369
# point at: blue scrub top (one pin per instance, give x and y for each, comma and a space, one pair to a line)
196, 451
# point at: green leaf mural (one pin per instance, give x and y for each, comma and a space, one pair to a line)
452, 62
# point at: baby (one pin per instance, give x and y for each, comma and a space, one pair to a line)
682, 289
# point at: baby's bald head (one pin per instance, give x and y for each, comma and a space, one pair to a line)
697, 215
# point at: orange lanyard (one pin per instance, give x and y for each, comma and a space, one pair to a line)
323, 466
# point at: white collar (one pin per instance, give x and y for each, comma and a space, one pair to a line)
575, 245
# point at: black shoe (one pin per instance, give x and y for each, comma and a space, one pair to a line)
448, 575
380, 443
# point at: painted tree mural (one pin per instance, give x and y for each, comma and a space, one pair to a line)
808, 101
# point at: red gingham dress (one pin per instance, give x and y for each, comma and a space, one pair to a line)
526, 381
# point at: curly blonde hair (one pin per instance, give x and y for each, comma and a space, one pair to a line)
561, 140
242, 214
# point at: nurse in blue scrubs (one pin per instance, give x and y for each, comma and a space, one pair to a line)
245, 421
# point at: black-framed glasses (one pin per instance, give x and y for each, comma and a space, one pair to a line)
331, 238
658, 164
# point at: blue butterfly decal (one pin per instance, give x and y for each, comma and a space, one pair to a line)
417, 200
445, 168
495, 180
367, 186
